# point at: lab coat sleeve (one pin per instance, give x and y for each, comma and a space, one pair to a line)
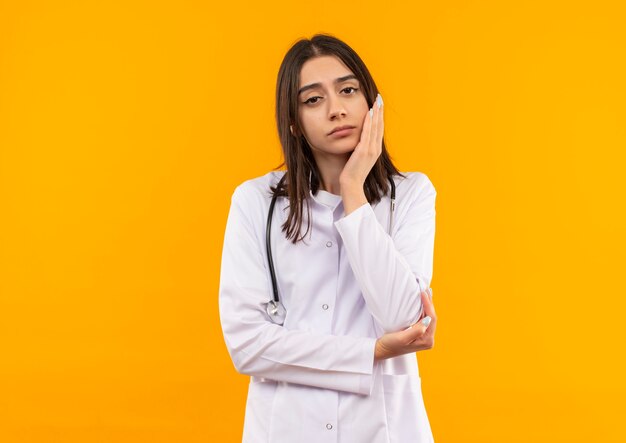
259, 347
392, 271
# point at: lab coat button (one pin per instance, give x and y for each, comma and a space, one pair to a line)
329, 426
329, 244
324, 306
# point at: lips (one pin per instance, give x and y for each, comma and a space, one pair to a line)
339, 128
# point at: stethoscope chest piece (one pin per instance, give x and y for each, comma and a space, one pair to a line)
276, 311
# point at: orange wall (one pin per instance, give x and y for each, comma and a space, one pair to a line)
125, 126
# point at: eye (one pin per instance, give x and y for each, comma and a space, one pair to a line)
309, 101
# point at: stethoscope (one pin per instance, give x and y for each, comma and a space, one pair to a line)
274, 307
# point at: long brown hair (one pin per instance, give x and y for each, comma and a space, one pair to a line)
303, 176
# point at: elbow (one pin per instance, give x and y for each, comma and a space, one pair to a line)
400, 323
247, 358
244, 363
243, 370
247, 343
242, 343
389, 328
237, 347
404, 317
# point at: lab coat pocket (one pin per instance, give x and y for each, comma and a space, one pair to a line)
258, 410
406, 414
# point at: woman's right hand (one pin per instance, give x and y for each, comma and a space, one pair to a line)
416, 337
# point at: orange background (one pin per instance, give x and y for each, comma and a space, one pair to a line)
125, 126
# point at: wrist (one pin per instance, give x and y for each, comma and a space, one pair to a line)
378, 351
353, 197
350, 184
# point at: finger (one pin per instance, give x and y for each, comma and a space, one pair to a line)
380, 125
414, 332
367, 129
429, 310
424, 342
423, 321
430, 320
374, 133
429, 307
419, 330
429, 334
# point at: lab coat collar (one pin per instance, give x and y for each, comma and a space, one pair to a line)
326, 198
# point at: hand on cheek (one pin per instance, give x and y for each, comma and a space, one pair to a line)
367, 150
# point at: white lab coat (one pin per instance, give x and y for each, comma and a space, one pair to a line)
314, 379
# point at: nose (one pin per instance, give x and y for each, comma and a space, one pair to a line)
336, 107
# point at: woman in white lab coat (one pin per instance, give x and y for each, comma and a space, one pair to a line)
354, 279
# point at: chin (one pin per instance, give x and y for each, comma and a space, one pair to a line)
343, 151
347, 146
340, 146
337, 150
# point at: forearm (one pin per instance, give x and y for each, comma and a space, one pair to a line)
389, 286
391, 271
263, 349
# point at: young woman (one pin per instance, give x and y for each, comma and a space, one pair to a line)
324, 294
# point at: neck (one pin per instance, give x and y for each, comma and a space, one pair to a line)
330, 167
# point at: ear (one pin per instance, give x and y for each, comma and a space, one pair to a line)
291, 129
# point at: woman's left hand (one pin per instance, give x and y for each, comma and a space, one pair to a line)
367, 150
417, 337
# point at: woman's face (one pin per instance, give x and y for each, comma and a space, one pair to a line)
333, 101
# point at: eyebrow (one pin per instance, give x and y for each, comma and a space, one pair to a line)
315, 85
